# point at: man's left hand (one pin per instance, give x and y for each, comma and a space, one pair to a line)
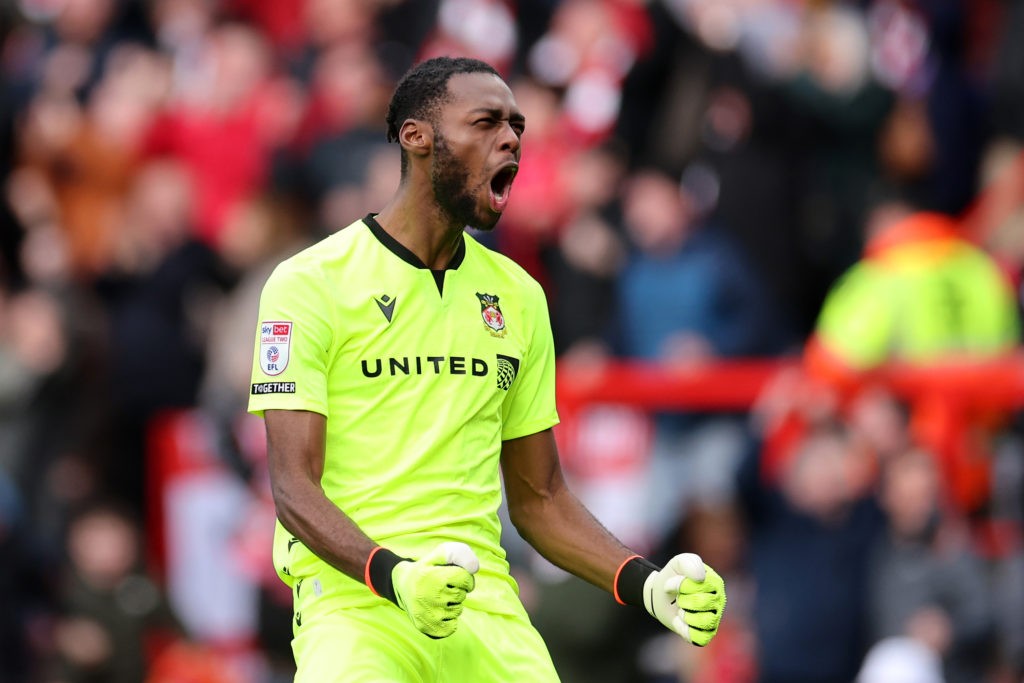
688, 597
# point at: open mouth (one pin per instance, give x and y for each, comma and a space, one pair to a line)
501, 186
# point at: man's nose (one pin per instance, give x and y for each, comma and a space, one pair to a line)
509, 140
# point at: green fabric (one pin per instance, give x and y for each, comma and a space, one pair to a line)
419, 390
918, 305
337, 644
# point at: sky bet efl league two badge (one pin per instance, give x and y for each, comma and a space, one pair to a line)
492, 314
275, 340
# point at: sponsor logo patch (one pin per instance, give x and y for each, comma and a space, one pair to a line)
508, 368
275, 345
261, 388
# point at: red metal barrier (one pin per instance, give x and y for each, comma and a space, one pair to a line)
947, 402
726, 385
737, 384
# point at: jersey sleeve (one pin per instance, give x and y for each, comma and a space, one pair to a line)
293, 341
530, 405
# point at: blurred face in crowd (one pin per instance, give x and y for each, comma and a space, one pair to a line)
907, 147
157, 213
332, 22
825, 475
351, 84
248, 234
836, 45
542, 104
83, 21
103, 548
910, 493
240, 59
717, 535
657, 212
880, 420
476, 149
594, 177
178, 22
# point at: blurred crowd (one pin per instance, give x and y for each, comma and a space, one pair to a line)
837, 185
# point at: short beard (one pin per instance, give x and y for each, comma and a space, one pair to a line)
449, 177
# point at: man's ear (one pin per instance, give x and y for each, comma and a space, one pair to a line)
416, 137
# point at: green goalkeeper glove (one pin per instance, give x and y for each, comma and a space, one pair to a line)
431, 590
686, 596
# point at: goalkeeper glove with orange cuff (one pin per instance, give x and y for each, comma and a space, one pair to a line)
430, 590
686, 596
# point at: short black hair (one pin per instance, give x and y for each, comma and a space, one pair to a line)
424, 88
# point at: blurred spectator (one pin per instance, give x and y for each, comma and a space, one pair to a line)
663, 95
1008, 76
484, 29
24, 587
1005, 551
921, 294
840, 110
55, 363
343, 127
588, 49
924, 580
590, 253
259, 234
88, 157
227, 116
112, 612
158, 296
901, 660
65, 52
685, 297
532, 224
589, 639
710, 95
717, 533
810, 534
996, 221
1008, 591
932, 148
51, 421
328, 23
365, 192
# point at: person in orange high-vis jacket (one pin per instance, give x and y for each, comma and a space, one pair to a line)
922, 294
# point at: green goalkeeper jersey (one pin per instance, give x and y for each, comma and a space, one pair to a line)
421, 375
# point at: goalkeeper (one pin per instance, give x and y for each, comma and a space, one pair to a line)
402, 369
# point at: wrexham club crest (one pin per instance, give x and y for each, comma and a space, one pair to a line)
491, 314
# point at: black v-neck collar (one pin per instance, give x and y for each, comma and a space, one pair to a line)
400, 250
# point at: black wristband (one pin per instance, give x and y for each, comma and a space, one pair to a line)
378, 573
630, 580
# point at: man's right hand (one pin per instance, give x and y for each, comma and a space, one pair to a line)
432, 589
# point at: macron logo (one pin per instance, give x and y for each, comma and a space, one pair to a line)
386, 305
